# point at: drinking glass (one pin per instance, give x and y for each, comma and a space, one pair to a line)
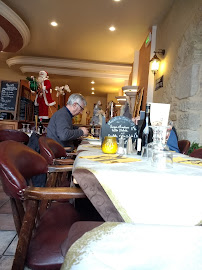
161, 157
147, 151
28, 128
24, 129
109, 145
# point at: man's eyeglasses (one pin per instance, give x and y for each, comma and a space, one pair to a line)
80, 106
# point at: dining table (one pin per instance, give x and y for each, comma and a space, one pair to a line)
128, 188
127, 246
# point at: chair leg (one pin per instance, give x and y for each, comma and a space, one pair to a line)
25, 235
51, 182
18, 213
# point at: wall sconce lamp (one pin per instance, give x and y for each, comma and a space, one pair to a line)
155, 61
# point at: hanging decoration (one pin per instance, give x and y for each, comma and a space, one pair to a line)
62, 90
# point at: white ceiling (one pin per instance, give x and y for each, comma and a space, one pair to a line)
82, 35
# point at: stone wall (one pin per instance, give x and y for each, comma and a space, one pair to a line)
183, 89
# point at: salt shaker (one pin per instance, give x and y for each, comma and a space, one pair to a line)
129, 148
121, 150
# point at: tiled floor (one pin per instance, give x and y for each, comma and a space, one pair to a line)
8, 238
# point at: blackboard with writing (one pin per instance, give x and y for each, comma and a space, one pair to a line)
9, 96
119, 126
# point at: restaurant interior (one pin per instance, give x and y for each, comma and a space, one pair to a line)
113, 52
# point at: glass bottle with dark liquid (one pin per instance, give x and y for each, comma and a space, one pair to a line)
145, 135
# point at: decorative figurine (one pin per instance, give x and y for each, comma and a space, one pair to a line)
42, 88
97, 114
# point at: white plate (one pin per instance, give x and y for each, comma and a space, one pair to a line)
92, 140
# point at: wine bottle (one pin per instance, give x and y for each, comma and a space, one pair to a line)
40, 128
145, 135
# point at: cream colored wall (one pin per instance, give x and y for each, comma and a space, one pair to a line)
169, 36
9, 74
112, 97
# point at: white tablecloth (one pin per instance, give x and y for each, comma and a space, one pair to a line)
123, 246
142, 194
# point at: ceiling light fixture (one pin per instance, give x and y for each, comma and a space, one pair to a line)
93, 82
54, 24
92, 88
112, 28
117, 0
92, 93
155, 61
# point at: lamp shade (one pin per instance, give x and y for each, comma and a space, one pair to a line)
155, 62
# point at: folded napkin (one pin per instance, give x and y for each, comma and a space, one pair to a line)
92, 146
190, 161
110, 159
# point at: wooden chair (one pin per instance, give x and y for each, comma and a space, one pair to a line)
184, 146
138, 100
39, 239
54, 153
15, 135
60, 163
197, 153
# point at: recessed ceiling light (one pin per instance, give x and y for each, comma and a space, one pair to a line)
54, 24
92, 93
92, 88
117, 0
112, 28
92, 82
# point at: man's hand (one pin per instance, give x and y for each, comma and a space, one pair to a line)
85, 131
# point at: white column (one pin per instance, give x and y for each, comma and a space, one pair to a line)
150, 87
135, 68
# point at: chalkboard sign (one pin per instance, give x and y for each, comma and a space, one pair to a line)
9, 93
119, 126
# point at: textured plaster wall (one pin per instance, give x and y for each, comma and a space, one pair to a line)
181, 35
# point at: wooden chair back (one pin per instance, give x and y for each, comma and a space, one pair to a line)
52, 151
138, 100
197, 153
15, 135
184, 146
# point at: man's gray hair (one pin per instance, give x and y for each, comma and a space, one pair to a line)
76, 98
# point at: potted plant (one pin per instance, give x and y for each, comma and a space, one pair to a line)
193, 146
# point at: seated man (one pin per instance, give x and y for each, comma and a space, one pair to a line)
172, 142
60, 127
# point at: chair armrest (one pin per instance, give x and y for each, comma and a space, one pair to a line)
68, 148
58, 193
59, 168
67, 161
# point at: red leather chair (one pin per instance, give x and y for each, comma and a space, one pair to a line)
197, 153
60, 163
184, 146
54, 153
15, 135
40, 239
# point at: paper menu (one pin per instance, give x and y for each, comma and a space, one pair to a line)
159, 114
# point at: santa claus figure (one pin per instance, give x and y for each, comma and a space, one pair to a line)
43, 98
